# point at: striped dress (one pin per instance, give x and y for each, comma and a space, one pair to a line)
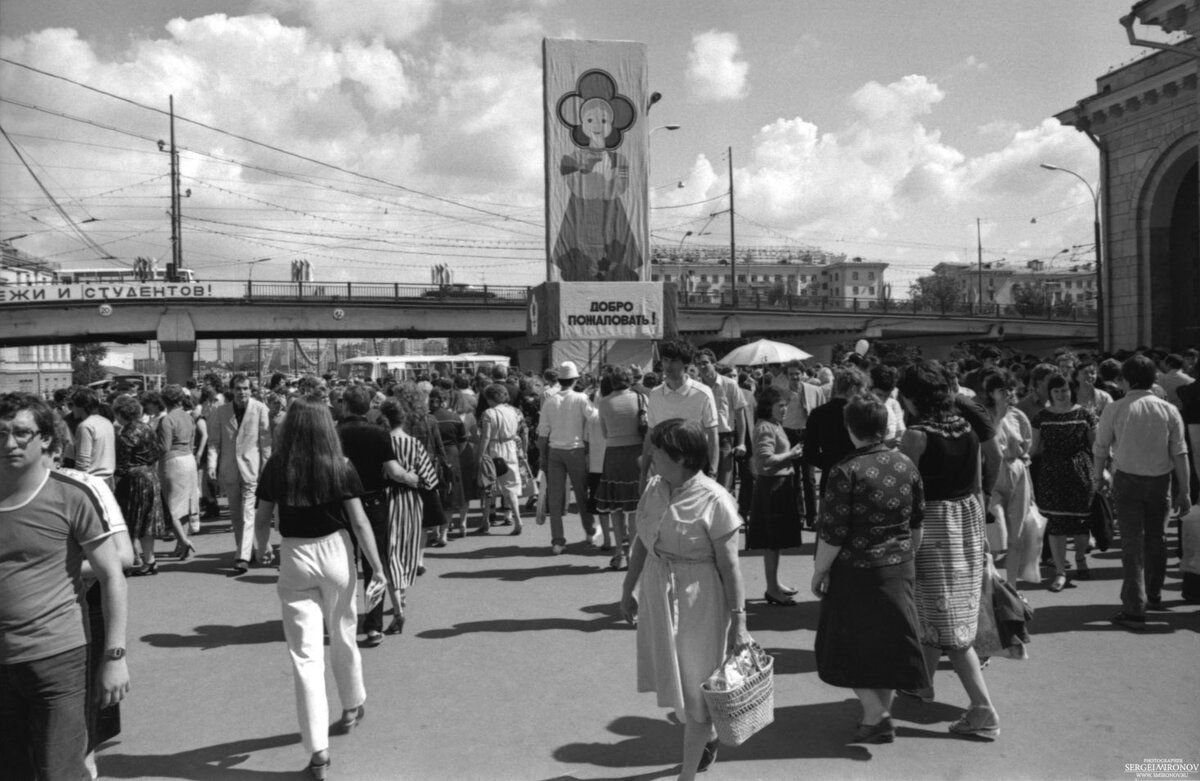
405, 510
950, 561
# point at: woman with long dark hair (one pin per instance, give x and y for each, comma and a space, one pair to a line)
317, 493
950, 560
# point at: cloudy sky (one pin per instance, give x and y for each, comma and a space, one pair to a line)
377, 138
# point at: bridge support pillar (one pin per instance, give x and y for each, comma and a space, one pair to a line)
177, 338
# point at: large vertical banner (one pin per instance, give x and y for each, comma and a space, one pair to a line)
597, 140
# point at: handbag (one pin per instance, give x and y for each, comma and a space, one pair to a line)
1102, 521
643, 425
529, 486
501, 466
445, 476
740, 694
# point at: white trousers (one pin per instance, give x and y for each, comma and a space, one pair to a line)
247, 535
317, 582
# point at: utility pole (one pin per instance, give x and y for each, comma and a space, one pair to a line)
176, 237
979, 255
732, 242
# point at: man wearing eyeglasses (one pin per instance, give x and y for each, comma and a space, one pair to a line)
49, 525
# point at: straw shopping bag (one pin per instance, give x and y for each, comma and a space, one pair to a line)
748, 705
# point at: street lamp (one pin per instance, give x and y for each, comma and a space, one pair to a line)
1096, 237
665, 127
252, 264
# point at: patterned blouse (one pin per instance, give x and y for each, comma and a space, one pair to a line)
873, 499
137, 446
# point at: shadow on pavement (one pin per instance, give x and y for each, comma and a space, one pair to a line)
210, 636
522, 574
210, 763
608, 617
793, 661
799, 732
762, 617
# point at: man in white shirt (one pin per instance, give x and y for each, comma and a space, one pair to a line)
731, 416
1144, 436
562, 442
803, 397
679, 396
1173, 377
95, 437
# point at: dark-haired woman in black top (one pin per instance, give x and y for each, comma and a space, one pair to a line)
317, 492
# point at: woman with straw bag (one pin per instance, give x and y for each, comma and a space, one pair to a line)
685, 560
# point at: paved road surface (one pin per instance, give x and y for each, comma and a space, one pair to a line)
514, 665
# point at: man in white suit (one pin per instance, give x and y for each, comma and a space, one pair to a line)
239, 444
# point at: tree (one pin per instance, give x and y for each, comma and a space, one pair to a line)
86, 360
1029, 300
777, 294
939, 292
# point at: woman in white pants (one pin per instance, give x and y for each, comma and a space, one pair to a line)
316, 490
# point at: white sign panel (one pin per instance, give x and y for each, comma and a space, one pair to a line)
119, 291
611, 310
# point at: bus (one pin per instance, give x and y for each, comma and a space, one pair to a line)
120, 276
137, 382
380, 368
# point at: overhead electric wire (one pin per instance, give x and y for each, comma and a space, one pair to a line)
57, 206
262, 144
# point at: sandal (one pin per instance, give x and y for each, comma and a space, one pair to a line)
1059, 583
988, 729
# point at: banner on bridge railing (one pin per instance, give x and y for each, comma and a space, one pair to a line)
600, 310
113, 292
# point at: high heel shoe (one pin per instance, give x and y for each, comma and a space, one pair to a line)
185, 552
516, 532
318, 771
883, 732
145, 569
785, 602
349, 720
709, 756
396, 627
986, 727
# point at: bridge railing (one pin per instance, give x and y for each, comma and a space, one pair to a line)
386, 291
760, 301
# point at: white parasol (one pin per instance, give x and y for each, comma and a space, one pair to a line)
762, 352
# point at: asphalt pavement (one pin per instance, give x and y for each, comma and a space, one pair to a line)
514, 664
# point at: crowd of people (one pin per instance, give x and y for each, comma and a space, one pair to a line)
921, 483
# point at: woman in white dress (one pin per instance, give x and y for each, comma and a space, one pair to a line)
685, 560
502, 436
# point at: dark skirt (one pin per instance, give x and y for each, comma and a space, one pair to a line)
469, 470
867, 632
457, 499
140, 499
618, 490
774, 522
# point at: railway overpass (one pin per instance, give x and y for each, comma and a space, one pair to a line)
176, 315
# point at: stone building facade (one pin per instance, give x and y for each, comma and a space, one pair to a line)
1145, 122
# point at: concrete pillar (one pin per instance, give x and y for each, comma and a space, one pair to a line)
177, 338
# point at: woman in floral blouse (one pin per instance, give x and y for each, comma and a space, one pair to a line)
869, 529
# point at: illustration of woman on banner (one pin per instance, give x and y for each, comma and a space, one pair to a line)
595, 241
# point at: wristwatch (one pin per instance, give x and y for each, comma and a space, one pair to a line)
113, 654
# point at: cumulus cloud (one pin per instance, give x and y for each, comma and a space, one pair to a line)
888, 173
393, 20
715, 69
451, 118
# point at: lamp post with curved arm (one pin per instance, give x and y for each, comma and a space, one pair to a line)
1099, 252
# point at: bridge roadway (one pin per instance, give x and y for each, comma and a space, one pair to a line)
178, 315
